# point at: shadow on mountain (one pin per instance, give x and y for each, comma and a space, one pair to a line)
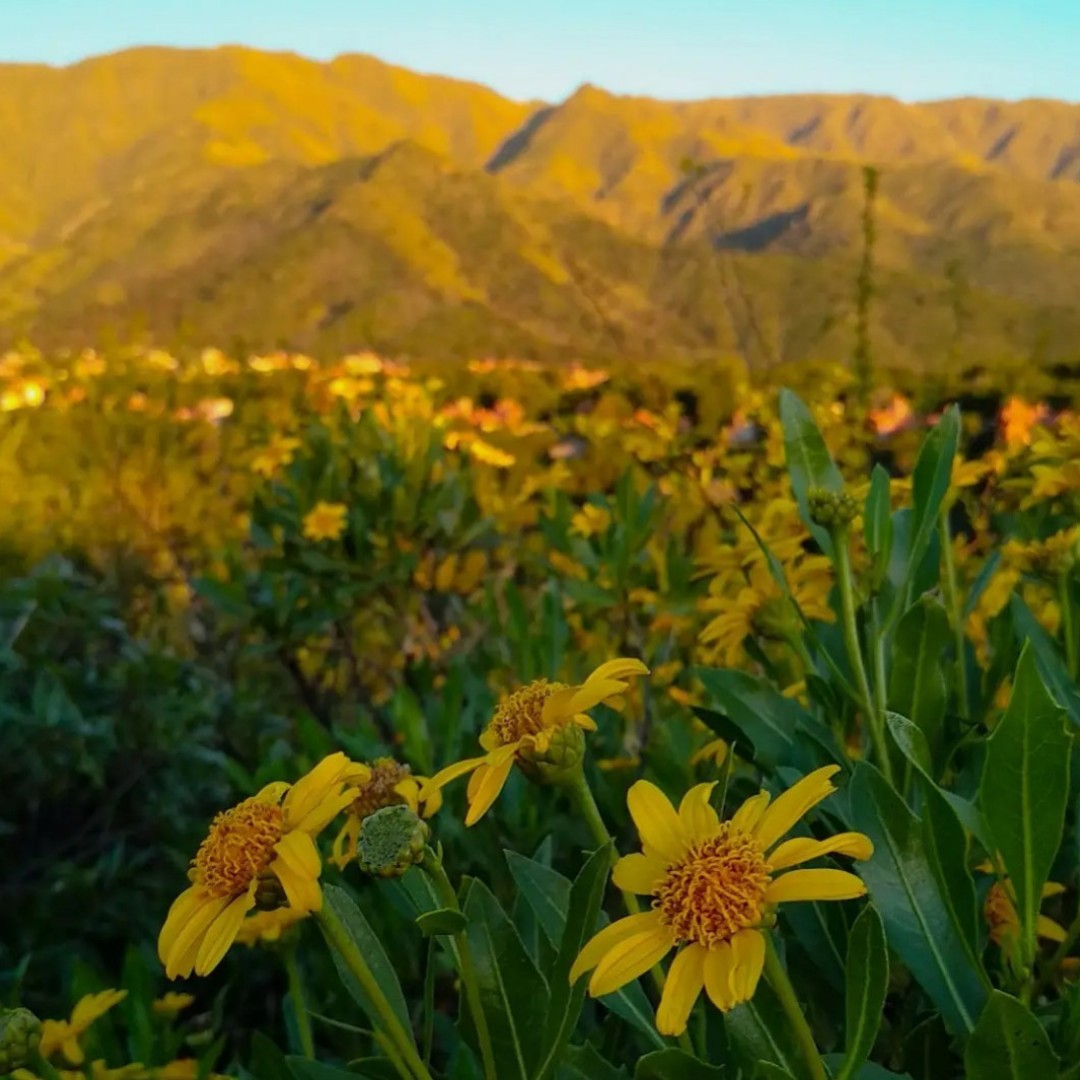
764, 233
520, 141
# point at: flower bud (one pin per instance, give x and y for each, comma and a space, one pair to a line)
558, 760
20, 1036
391, 840
831, 509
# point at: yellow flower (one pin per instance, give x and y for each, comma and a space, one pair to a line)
172, 1004
1050, 481
590, 520
713, 890
273, 457
1002, 919
385, 783
268, 926
326, 521
262, 850
525, 725
63, 1035
491, 455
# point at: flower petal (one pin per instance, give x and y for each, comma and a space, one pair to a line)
325, 810
789, 807
746, 818
657, 823
719, 964
450, 773
748, 949
624, 667
302, 891
299, 851
814, 885
638, 873
1046, 928
179, 914
598, 946
487, 790
180, 959
699, 819
222, 933
306, 794
685, 979
630, 959
803, 848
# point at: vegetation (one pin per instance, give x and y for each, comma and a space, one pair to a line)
276, 637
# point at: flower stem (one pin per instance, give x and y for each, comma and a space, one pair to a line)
298, 1002
433, 866
779, 981
846, 584
956, 616
410, 1066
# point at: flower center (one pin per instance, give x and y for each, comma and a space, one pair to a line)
239, 845
1000, 913
717, 889
522, 712
379, 791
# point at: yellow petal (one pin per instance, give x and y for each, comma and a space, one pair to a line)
748, 950
597, 947
1048, 929
590, 694
657, 823
309, 790
719, 965
585, 722
325, 810
630, 959
409, 790
1052, 888
789, 807
814, 885
638, 873
180, 959
487, 791
746, 818
804, 848
699, 819
433, 803
622, 668
182, 907
221, 933
450, 773
298, 850
344, 849
303, 892
557, 706
685, 978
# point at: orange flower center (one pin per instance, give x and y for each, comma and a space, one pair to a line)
522, 712
1000, 913
238, 847
716, 890
386, 774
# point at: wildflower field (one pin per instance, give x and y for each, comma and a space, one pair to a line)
525, 721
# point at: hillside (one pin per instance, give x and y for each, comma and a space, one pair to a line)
236, 195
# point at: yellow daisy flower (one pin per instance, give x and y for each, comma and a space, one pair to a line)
261, 850
172, 1004
273, 457
385, 783
524, 726
62, 1036
325, 521
713, 886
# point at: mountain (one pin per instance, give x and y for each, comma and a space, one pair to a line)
233, 195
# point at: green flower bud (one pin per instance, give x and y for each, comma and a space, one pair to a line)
831, 509
391, 840
20, 1036
559, 761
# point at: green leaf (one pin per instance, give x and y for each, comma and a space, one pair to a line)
302, 1069
444, 921
546, 891
586, 897
1048, 658
674, 1064
910, 899
367, 941
864, 995
917, 685
809, 462
766, 1070
586, 1062
760, 1032
930, 484
267, 1061
1025, 789
512, 990
877, 521
1008, 1043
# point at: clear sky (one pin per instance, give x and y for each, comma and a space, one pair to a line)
914, 49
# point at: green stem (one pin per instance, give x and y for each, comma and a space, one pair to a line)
433, 866
1068, 627
779, 981
846, 584
956, 615
410, 1066
583, 799
299, 1004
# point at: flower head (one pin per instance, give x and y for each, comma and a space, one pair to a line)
261, 852
1002, 918
714, 885
538, 727
325, 521
62, 1036
20, 1036
273, 457
172, 1004
385, 782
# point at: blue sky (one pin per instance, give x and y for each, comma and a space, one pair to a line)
914, 49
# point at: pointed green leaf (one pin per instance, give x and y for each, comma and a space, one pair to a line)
1008, 1043
545, 890
809, 462
675, 1064
1025, 789
930, 484
1048, 658
877, 521
441, 922
864, 995
761, 1032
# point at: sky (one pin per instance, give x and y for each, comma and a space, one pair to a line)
912, 49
